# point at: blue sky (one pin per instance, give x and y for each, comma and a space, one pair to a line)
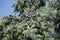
5, 7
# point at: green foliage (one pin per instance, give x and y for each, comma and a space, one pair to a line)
36, 21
